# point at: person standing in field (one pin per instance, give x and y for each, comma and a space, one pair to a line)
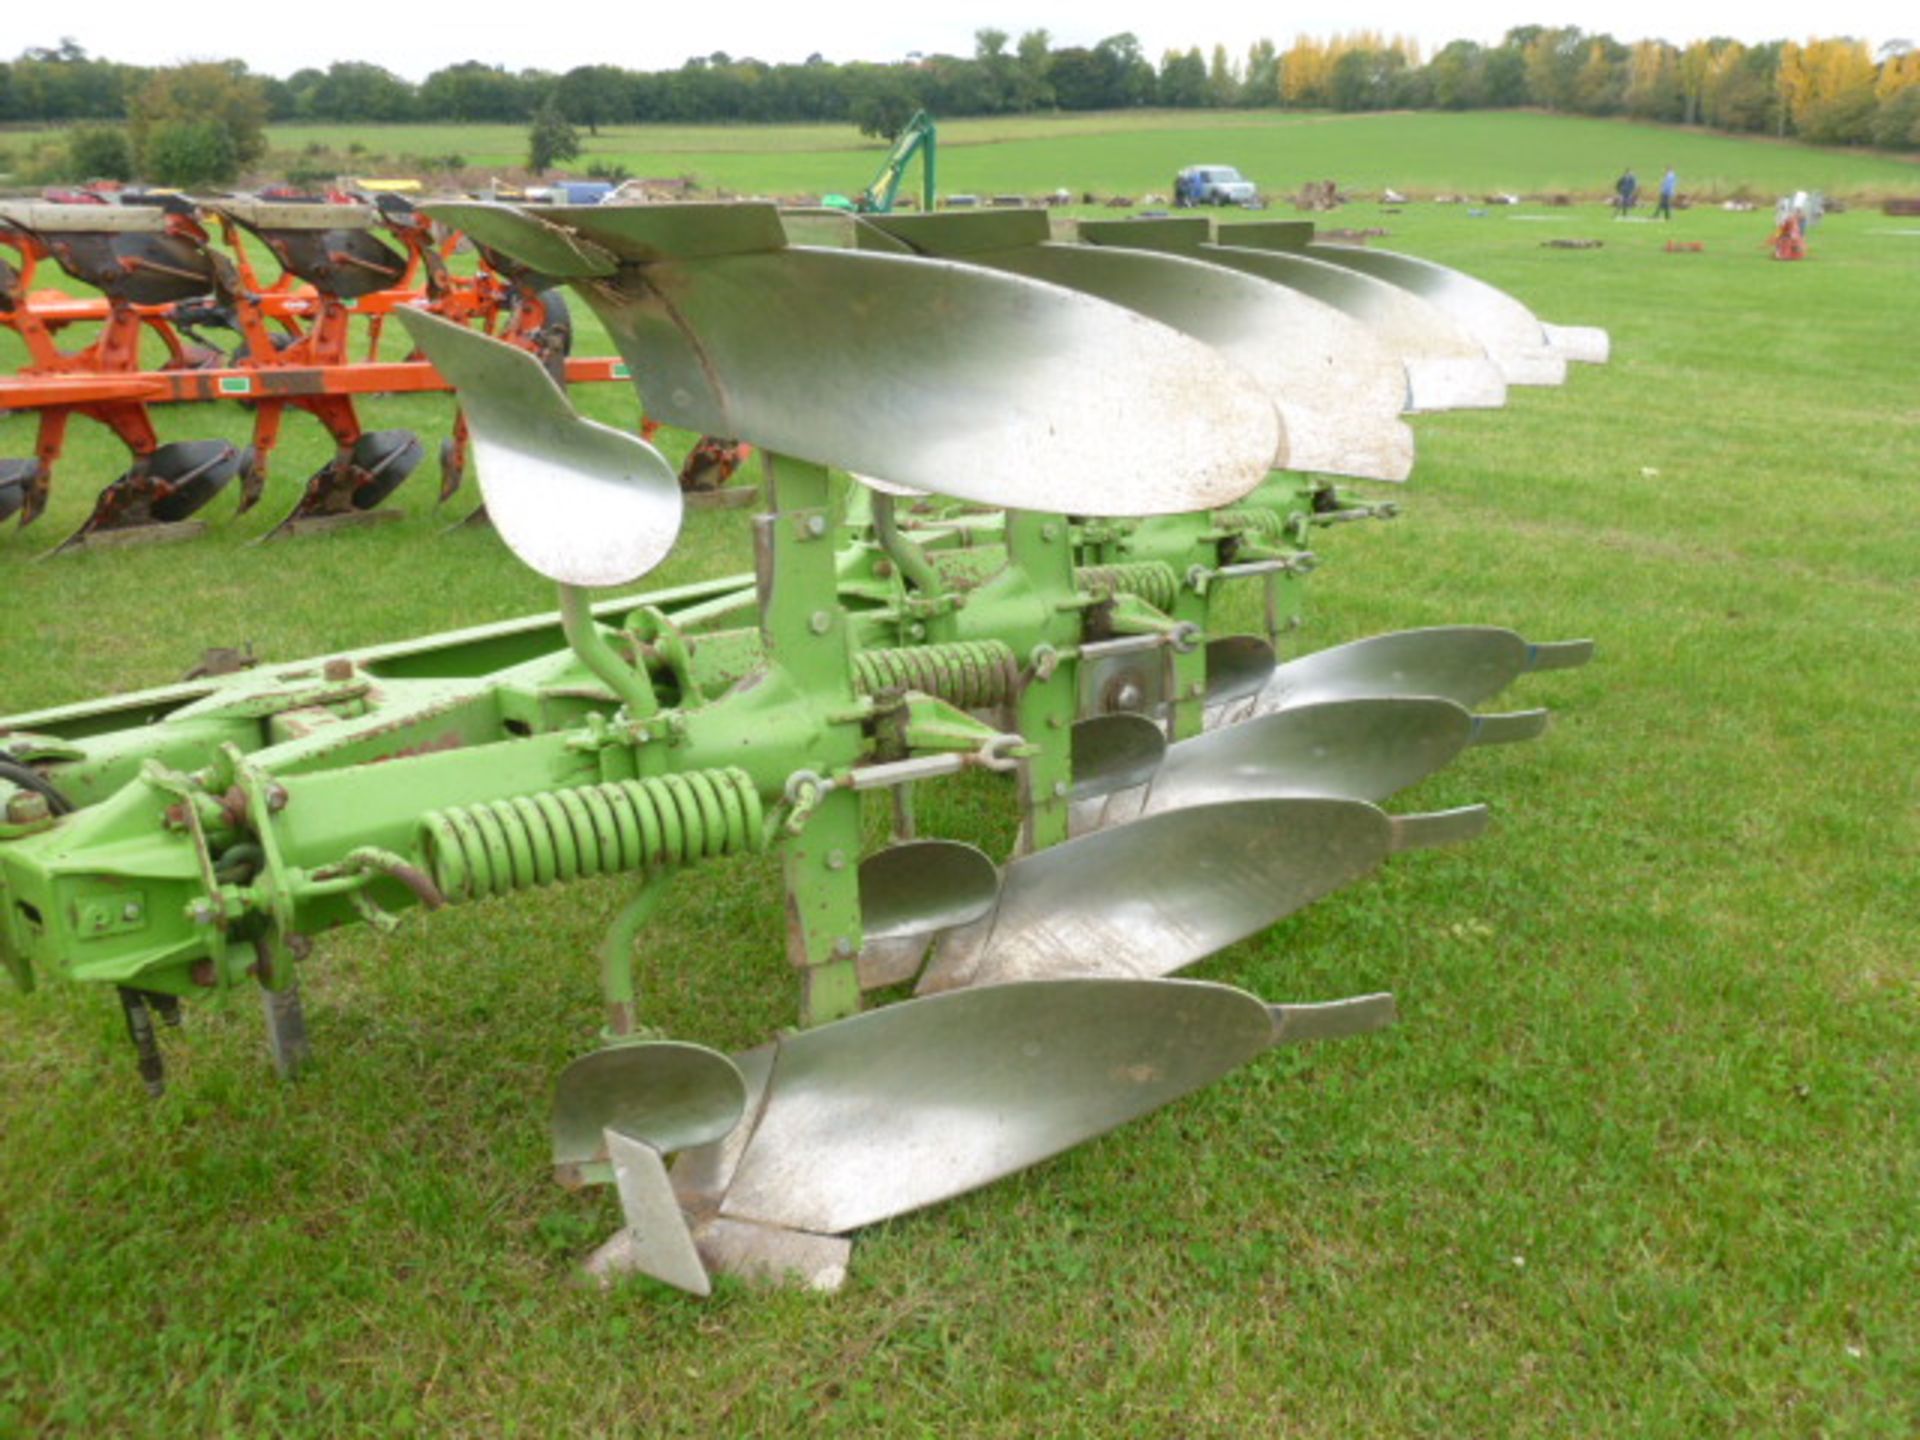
1626, 190
1668, 184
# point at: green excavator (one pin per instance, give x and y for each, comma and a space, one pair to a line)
916, 137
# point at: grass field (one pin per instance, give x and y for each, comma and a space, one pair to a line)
1137, 153
1639, 1160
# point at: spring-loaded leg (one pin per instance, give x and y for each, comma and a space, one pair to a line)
616, 957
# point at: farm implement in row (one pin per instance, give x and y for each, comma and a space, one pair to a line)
1076, 472
309, 341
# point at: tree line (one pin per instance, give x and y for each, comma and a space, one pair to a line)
1833, 91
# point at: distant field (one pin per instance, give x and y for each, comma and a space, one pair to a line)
1132, 153
1640, 1159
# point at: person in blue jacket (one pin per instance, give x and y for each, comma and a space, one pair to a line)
1669, 183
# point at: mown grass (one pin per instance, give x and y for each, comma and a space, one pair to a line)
1639, 1159
1135, 153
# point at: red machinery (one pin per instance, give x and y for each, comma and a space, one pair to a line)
140, 259
161, 275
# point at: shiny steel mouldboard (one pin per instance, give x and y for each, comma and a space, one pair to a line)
1447, 369
1340, 391
1511, 332
941, 376
578, 501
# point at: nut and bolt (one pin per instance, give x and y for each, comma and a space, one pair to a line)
816, 525
843, 947
820, 622
836, 860
1059, 789
27, 807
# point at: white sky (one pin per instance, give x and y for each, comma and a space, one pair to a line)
413, 38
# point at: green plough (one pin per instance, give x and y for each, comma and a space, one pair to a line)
1068, 458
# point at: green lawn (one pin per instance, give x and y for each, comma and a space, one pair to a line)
1639, 1160
1134, 153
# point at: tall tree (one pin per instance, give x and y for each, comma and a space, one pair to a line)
1032, 59
359, 90
998, 71
1458, 74
1223, 85
1261, 88
550, 139
1554, 57
592, 94
1127, 75
1183, 79
207, 118
472, 91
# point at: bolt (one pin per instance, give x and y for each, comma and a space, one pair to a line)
201, 912
1056, 722
27, 807
820, 622
1059, 789
843, 947
816, 525
337, 670
916, 631
1050, 531
1197, 689
836, 860
130, 911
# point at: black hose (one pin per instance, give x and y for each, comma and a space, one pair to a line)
28, 778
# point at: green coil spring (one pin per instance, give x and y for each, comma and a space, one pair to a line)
1269, 525
972, 674
1150, 580
498, 846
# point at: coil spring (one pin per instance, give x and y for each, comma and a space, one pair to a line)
1151, 580
1271, 525
498, 846
972, 674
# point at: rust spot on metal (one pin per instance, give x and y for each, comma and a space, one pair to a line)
452, 740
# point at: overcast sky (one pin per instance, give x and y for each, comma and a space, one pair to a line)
416, 38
